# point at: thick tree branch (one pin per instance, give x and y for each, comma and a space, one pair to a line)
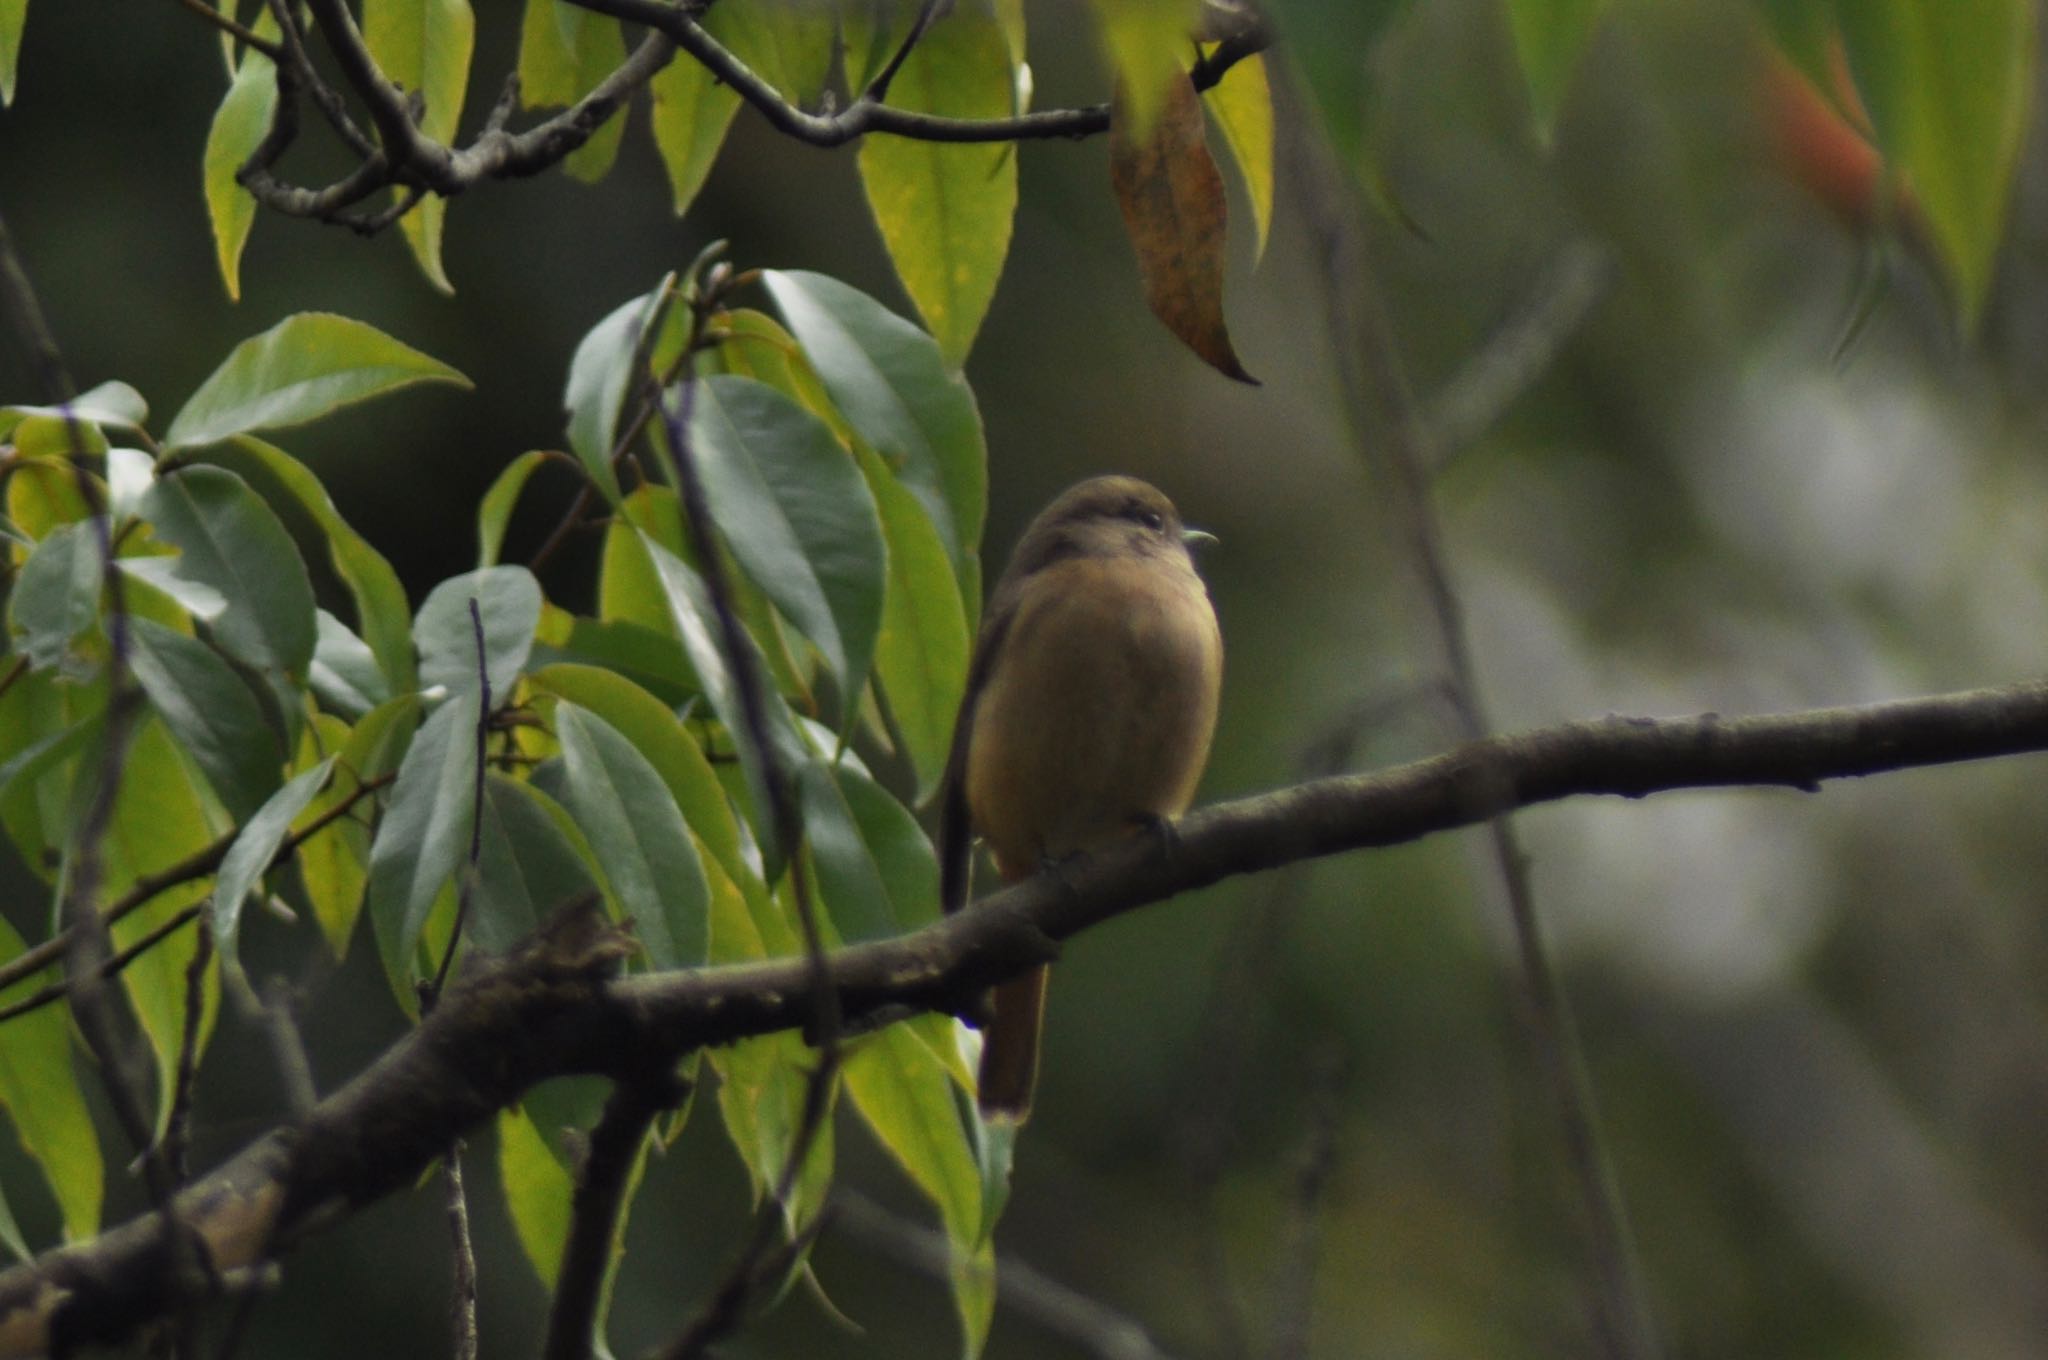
558, 1007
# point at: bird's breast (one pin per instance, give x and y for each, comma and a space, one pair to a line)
1097, 712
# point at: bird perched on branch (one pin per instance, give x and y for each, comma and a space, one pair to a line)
1090, 703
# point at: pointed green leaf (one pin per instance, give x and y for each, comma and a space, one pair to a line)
797, 515
696, 622
622, 805
494, 511
1549, 36
922, 650
945, 210
692, 110
57, 595
904, 1094
108, 403
1242, 107
159, 819
383, 616
210, 711
299, 370
876, 871
656, 733
761, 1091
425, 831
39, 1090
508, 602
1948, 84
1331, 45
13, 14
236, 544
600, 375
168, 574
424, 46
334, 864
255, 846
239, 125
898, 394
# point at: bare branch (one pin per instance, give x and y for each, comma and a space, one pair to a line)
558, 1006
241, 33
462, 1296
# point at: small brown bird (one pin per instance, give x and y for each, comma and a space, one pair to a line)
1090, 703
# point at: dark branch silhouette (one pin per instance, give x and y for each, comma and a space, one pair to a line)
560, 1005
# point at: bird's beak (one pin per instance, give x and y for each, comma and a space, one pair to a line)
1197, 539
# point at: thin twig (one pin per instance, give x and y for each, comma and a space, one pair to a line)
177, 1135
1085, 1323
288, 1047
18, 300
462, 1296
1377, 392
196, 865
109, 967
226, 23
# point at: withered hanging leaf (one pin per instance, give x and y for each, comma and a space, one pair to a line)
1171, 195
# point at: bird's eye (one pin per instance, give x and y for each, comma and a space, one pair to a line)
1150, 518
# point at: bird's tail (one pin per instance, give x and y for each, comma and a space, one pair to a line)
1009, 1053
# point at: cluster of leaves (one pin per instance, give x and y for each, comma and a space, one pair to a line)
496, 752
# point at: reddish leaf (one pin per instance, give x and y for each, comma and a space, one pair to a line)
1171, 195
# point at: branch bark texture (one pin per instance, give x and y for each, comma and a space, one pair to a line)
561, 1005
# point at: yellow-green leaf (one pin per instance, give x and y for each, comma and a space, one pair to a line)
1171, 195
425, 46
238, 125
13, 14
39, 1090
1242, 105
788, 43
1149, 43
945, 211
692, 110
1549, 36
538, 1192
564, 52
1948, 83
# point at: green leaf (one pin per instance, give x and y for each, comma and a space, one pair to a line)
875, 868
1331, 45
344, 671
762, 1084
109, 403
529, 864
1804, 30
494, 511
383, 616
1549, 36
945, 210
922, 650
159, 819
1147, 43
236, 544
334, 864
256, 844
425, 831
538, 1191
167, 575
508, 602
1948, 84
299, 370
692, 110
624, 807
424, 46
796, 513
39, 1090
1242, 106
564, 52
213, 715
13, 14
238, 126
788, 43
696, 622
905, 1095
897, 392
57, 595
656, 733
600, 375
